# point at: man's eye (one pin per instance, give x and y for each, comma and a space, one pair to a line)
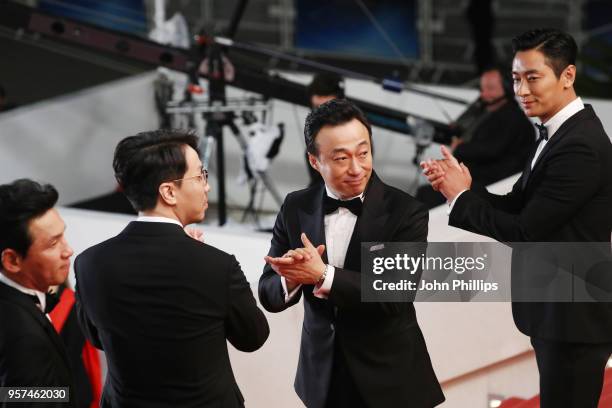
340, 158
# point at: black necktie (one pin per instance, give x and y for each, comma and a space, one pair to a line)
51, 300
330, 205
542, 133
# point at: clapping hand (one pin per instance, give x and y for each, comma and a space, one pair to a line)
447, 176
300, 265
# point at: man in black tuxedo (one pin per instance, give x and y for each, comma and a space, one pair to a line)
159, 303
34, 256
352, 354
563, 195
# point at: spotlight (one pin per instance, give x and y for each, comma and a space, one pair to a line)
495, 401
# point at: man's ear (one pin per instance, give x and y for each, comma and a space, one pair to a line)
313, 161
11, 261
569, 76
167, 193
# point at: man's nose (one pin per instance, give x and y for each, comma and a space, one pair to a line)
68, 252
521, 88
354, 168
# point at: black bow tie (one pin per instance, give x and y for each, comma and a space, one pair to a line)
542, 132
51, 300
330, 205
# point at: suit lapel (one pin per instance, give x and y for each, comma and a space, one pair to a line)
370, 225
554, 140
549, 145
527, 169
16, 297
311, 219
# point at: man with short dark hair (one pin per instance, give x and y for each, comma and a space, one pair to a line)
34, 255
159, 303
352, 354
324, 87
563, 195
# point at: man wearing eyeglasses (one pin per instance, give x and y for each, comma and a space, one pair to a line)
159, 303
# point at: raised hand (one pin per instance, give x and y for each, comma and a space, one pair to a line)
300, 265
447, 175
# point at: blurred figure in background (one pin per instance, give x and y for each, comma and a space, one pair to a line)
324, 87
494, 137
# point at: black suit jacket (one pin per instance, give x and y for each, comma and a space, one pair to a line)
31, 352
161, 305
567, 197
381, 342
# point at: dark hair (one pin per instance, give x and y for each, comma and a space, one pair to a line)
558, 47
331, 113
20, 202
144, 161
326, 84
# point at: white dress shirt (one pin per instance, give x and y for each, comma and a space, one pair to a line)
552, 125
147, 218
42, 299
339, 226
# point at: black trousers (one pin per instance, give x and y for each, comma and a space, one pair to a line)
343, 392
571, 374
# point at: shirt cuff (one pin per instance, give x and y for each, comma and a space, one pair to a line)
452, 204
322, 291
289, 296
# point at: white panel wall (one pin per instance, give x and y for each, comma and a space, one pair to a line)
69, 141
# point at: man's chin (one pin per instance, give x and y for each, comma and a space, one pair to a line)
61, 277
530, 111
353, 190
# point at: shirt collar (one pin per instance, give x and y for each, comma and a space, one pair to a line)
42, 300
148, 218
554, 123
332, 195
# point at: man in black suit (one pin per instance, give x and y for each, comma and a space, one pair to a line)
563, 195
352, 354
34, 256
159, 303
